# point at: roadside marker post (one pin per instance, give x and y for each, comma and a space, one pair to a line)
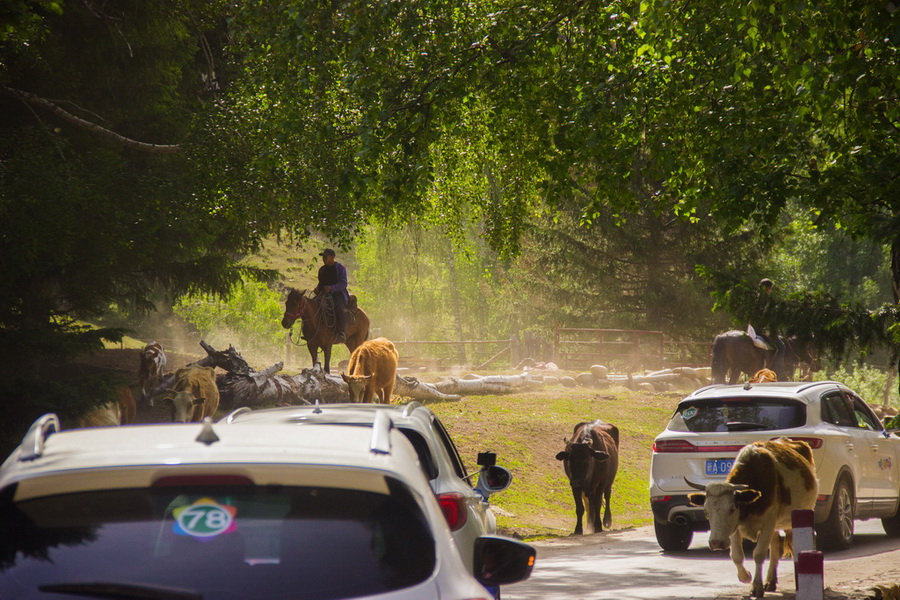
802, 535
810, 576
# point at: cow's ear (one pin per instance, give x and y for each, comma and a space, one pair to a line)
345, 378
367, 377
746, 496
198, 401
697, 499
599, 454
562, 456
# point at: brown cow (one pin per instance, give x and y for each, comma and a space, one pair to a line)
153, 361
120, 412
194, 395
591, 460
767, 482
372, 368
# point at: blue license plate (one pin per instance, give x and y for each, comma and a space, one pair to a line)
719, 466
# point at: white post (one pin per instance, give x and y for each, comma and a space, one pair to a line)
810, 576
802, 534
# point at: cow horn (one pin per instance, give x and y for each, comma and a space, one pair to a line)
696, 486
741, 486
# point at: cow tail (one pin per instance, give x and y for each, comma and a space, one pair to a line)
719, 360
787, 544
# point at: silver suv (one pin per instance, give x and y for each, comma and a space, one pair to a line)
857, 461
189, 511
465, 504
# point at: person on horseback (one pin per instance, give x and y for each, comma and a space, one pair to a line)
770, 332
333, 281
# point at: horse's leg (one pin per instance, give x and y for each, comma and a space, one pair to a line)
326, 350
313, 352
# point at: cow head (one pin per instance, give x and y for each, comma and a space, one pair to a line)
181, 405
722, 502
357, 385
580, 458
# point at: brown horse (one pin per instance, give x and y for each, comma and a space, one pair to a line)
316, 329
734, 353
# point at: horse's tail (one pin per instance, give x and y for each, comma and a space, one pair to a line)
719, 359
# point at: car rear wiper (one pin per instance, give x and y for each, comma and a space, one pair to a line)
105, 589
745, 426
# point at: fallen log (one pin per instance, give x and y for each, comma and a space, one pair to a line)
491, 384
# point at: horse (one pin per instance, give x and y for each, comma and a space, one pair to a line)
734, 353
317, 331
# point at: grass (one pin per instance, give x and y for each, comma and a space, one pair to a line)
526, 430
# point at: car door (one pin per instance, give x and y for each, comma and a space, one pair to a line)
881, 468
853, 445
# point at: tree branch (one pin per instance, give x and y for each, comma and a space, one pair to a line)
82, 123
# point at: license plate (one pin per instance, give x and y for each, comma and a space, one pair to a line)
719, 466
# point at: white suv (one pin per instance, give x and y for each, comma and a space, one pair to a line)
857, 461
465, 505
188, 511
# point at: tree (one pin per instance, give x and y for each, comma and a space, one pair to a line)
93, 213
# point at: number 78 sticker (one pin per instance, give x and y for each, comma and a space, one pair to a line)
205, 518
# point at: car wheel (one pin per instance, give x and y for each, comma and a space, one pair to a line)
836, 533
892, 524
672, 537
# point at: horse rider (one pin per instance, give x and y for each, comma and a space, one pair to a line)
333, 281
771, 334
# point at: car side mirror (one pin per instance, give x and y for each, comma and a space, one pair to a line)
500, 560
493, 479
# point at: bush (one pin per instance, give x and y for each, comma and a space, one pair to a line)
867, 381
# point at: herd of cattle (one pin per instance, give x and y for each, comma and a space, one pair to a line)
767, 482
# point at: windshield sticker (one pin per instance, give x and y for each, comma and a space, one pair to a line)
205, 518
689, 413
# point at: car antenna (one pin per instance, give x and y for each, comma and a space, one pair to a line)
207, 435
318, 409
747, 385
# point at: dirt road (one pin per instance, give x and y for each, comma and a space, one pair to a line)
628, 565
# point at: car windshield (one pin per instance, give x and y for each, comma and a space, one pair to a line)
737, 414
215, 542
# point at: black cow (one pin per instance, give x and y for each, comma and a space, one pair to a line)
591, 459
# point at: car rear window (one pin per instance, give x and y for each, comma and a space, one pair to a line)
228, 542
737, 414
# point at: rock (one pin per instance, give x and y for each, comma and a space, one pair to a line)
599, 371
550, 380
585, 379
568, 381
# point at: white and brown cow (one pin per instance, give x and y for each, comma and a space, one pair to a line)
767, 482
194, 395
591, 460
153, 361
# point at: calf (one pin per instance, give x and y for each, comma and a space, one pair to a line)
153, 361
372, 369
194, 395
591, 460
767, 482
120, 412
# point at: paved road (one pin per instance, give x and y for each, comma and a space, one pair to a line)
629, 565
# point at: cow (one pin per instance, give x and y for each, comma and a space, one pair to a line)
153, 361
372, 369
194, 395
591, 459
120, 412
768, 481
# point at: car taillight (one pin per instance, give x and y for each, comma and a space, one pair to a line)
453, 504
673, 446
812, 441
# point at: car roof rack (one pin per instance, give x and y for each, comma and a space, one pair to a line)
230, 417
409, 407
40, 430
381, 433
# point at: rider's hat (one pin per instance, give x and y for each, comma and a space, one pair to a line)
327, 252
